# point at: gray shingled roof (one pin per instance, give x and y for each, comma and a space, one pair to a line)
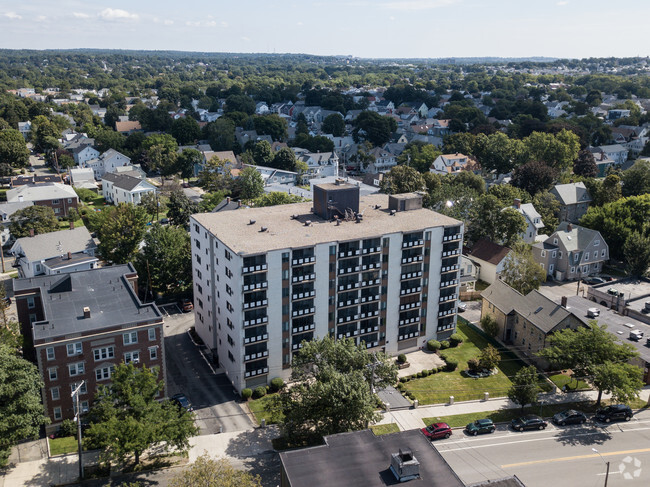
122, 181
41, 192
570, 194
52, 244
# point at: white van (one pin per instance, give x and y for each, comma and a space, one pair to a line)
593, 312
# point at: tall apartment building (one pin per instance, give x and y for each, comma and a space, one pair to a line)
79, 326
379, 269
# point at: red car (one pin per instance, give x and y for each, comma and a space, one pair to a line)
436, 431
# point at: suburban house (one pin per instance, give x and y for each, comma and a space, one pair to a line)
83, 153
533, 220
83, 177
25, 128
271, 175
469, 274
603, 163
227, 156
525, 322
122, 188
383, 160
615, 152
6, 210
574, 200
128, 127
488, 257
35, 179
80, 326
55, 253
60, 197
572, 252
450, 163
321, 164
107, 162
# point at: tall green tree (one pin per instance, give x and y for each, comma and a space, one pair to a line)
180, 208
210, 472
533, 177
186, 162
221, 134
13, 149
274, 198
215, 176
21, 411
41, 219
165, 262
272, 125
520, 271
402, 179
637, 254
333, 124
585, 164
120, 229
622, 380
636, 180
548, 208
250, 184
284, 159
489, 219
127, 417
186, 130
373, 127
419, 156
332, 391
524, 387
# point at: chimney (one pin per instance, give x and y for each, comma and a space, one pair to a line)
31, 232
238, 203
86, 312
21, 198
69, 255
563, 302
227, 199
517, 203
569, 227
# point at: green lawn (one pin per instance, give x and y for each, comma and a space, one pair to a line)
384, 429
506, 415
561, 380
63, 445
481, 285
437, 388
257, 408
65, 224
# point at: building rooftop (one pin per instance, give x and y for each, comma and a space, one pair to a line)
47, 245
361, 458
488, 251
40, 192
106, 291
286, 225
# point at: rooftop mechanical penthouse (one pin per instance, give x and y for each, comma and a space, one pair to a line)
379, 269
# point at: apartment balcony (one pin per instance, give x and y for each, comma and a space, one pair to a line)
451, 282
296, 346
414, 243
346, 319
349, 302
371, 282
255, 339
255, 356
412, 290
256, 321
255, 286
447, 312
450, 253
256, 304
370, 329
303, 278
349, 270
450, 268
411, 275
404, 307
409, 260
348, 334
450, 297
352, 285
375, 265
372, 344
406, 336
371, 250
370, 299
304, 295
452, 238
369, 314
408, 321
350, 253
302, 329
252, 373
254, 268
303, 312
303, 261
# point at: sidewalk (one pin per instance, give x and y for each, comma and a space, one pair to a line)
413, 418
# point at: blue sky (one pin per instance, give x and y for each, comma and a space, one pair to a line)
380, 28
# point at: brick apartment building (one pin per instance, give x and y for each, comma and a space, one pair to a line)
79, 326
381, 270
60, 197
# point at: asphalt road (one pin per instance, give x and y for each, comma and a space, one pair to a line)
189, 372
557, 456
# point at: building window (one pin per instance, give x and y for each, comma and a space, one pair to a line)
30, 302
130, 338
74, 348
573, 269
55, 393
76, 369
602, 254
197, 243
82, 389
543, 253
153, 353
49, 351
52, 374
227, 254
57, 210
586, 256
596, 243
104, 353
84, 407
230, 356
57, 413
152, 334
56, 202
132, 357
104, 373
554, 254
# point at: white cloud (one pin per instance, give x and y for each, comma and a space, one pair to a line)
224, 23
41, 18
116, 14
562, 4
163, 21
13, 16
391, 18
244, 38
80, 15
299, 23
201, 23
168, 22
417, 4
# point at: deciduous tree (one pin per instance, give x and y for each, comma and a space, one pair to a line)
210, 472
622, 380
402, 179
585, 164
13, 149
333, 124
637, 254
533, 177
41, 219
524, 387
520, 270
120, 230
249, 184
180, 208
636, 180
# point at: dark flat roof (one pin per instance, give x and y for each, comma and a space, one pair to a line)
362, 459
105, 290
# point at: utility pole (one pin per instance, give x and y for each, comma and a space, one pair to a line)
75, 394
606, 464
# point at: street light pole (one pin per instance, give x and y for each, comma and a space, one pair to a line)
75, 394
606, 464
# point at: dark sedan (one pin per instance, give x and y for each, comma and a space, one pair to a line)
529, 422
182, 402
570, 416
480, 426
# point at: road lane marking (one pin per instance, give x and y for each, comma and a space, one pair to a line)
577, 457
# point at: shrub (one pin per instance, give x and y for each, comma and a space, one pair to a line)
68, 428
260, 391
425, 373
403, 379
401, 358
451, 365
411, 396
473, 364
276, 384
83, 212
433, 371
421, 374
433, 345
455, 340
490, 326
413, 376
443, 357
246, 394
444, 344
400, 386
489, 358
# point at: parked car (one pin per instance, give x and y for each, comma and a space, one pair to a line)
593, 280
182, 402
570, 416
461, 306
187, 305
480, 426
436, 431
529, 422
606, 278
593, 312
613, 291
31, 169
615, 412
